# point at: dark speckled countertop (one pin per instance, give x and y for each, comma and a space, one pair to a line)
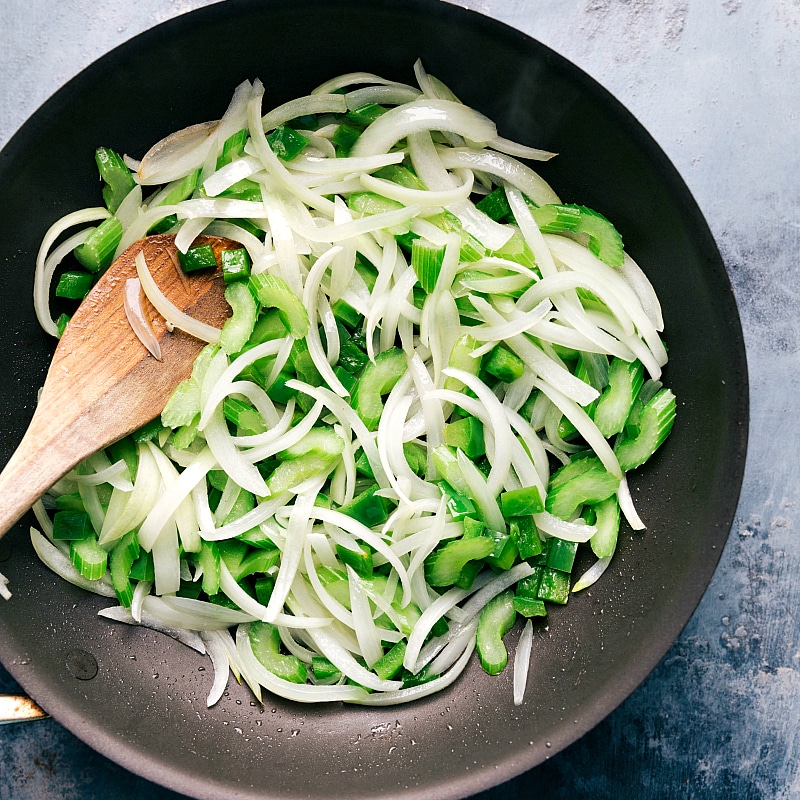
716, 83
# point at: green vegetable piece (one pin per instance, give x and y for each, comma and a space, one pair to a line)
423, 676
69, 502
554, 586
368, 203
72, 525
654, 425
469, 572
521, 502
345, 313
607, 517
366, 114
528, 587
116, 176
238, 327
209, 560
444, 566
186, 434
269, 326
426, 260
461, 358
495, 204
323, 442
236, 265
273, 292
378, 378
183, 405
352, 356
561, 554
196, 258
472, 527
360, 560
459, 505
368, 508
148, 431
266, 642
233, 147
293, 472
348, 380
263, 587
61, 324
466, 434
97, 250
258, 561
278, 390
243, 415
344, 137
233, 553
400, 174
89, 558
244, 189
504, 365
391, 663
124, 553
505, 552
556, 218
591, 485
526, 536
604, 239
529, 607
445, 460
286, 142
74, 285
625, 380
495, 621
142, 569
324, 671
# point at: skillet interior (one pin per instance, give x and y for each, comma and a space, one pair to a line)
145, 707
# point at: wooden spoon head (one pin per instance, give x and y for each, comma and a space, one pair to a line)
101, 367
103, 383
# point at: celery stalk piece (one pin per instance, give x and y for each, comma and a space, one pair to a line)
378, 378
239, 326
444, 566
496, 619
273, 292
654, 425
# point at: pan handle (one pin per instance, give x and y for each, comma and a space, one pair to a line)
19, 708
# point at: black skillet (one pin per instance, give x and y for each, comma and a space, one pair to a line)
139, 698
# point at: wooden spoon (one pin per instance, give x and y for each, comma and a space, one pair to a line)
103, 383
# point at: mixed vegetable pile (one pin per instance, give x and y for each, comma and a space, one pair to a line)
434, 381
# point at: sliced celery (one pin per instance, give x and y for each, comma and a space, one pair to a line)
496, 619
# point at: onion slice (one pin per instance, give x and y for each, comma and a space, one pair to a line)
139, 321
174, 316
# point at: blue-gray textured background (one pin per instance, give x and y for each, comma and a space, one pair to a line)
716, 83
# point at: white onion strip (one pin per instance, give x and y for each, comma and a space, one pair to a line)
139, 321
522, 658
174, 316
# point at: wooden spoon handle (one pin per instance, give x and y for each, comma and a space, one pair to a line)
44, 455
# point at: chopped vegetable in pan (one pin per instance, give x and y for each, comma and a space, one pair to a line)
414, 430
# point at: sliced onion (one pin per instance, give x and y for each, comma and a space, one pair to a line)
522, 658
147, 620
592, 575
178, 154
218, 654
423, 115
174, 316
139, 321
